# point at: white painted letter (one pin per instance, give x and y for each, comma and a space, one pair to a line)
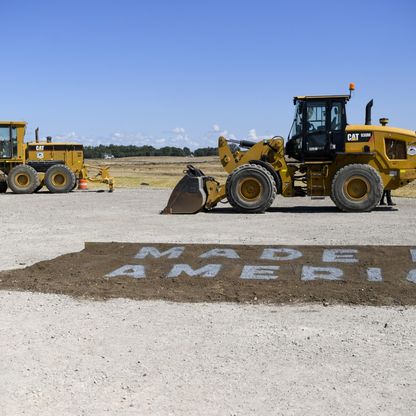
288, 254
259, 272
413, 254
220, 252
210, 270
339, 255
131, 270
374, 274
411, 277
325, 273
172, 253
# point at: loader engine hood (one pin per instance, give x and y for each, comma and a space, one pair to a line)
395, 145
361, 133
383, 129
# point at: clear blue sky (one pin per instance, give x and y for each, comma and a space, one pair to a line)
180, 72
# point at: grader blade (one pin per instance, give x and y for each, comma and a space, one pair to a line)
188, 196
102, 175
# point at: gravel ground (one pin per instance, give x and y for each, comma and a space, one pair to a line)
70, 357
43, 226
66, 357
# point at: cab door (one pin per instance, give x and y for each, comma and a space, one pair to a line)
316, 143
6, 148
8, 141
337, 122
324, 129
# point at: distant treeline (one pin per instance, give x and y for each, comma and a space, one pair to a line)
112, 150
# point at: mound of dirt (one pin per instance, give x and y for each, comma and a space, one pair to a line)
382, 275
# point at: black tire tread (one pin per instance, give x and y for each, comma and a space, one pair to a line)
376, 194
31, 171
50, 185
3, 186
235, 203
3, 183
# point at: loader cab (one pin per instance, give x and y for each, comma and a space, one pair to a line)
318, 129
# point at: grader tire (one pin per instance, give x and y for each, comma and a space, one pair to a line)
357, 188
23, 179
60, 179
75, 184
3, 186
251, 189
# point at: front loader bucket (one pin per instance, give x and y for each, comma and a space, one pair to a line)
188, 196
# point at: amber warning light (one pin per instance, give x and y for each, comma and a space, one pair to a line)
352, 88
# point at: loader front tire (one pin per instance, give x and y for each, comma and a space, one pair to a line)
23, 179
357, 188
60, 179
250, 189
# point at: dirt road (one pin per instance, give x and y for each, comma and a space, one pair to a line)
125, 357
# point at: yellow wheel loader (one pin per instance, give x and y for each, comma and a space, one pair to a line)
27, 167
324, 156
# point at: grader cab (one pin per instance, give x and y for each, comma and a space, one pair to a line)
27, 167
324, 156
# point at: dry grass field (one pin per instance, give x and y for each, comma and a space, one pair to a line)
158, 172
165, 172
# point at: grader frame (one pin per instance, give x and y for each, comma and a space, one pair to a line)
27, 167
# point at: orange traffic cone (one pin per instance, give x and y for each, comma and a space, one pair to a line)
82, 185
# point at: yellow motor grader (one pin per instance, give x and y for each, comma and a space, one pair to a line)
27, 167
323, 156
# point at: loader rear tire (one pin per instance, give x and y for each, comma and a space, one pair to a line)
60, 179
357, 188
23, 179
251, 189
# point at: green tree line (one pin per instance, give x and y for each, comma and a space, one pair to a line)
99, 152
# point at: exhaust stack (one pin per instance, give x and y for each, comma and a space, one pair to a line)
368, 113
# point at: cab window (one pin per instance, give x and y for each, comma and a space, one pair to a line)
8, 142
315, 117
296, 129
5, 149
336, 119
